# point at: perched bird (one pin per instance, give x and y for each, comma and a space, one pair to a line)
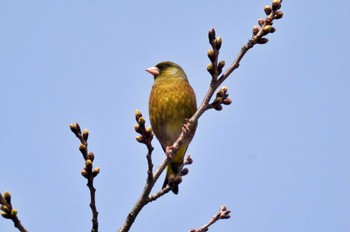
171, 101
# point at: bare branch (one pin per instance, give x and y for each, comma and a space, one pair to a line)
88, 172
223, 213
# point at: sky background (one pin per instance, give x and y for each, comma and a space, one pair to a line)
278, 156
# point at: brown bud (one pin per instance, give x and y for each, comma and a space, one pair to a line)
138, 114
267, 10
149, 133
82, 148
267, 29
224, 89
77, 126
7, 197
210, 69
95, 172
85, 134
220, 66
218, 107
262, 41
278, 15
84, 173
141, 121
184, 171
5, 215
218, 43
14, 212
255, 30
5, 208
88, 164
276, 4
211, 34
211, 55
73, 128
149, 130
273, 30
137, 128
227, 101
139, 139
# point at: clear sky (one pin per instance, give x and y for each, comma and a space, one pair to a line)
278, 156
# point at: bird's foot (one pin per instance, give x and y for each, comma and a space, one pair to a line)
186, 126
169, 152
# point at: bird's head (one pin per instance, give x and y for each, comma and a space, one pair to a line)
166, 69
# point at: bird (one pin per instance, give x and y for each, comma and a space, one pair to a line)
171, 102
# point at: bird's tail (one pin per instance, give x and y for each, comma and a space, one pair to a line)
173, 170
171, 179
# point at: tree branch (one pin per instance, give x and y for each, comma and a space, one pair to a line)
223, 213
88, 172
8, 212
215, 69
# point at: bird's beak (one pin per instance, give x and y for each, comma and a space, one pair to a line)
153, 70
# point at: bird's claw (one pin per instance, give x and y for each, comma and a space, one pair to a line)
169, 150
186, 126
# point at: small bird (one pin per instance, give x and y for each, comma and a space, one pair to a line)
171, 101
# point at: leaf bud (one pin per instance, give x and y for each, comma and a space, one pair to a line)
84, 173
137, 128
255, 30
82, 148
211, 34
5, 215
211, 55
85, 134
267, 29
73, 128
218, 43
267, 10
184, 171
227, 101
139, 138
14, 212
218, 107
141, 121
88, 164
95, 172
77, 126
278, 15
7, 197
263, 41
4, 208
138, 114
276, 4
210, 69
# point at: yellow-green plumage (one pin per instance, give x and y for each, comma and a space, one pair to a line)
172, 100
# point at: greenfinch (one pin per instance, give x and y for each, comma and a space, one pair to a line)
171, 101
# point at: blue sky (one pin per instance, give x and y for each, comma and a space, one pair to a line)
278, 156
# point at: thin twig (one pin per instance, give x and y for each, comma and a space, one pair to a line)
88, 172
223, 213
8, 212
